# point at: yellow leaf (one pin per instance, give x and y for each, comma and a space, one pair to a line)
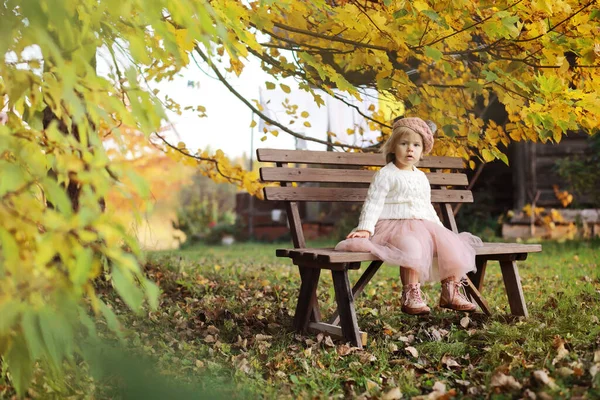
307, 124
275, 132
270, 85
304, 114
252, 124
487, 155
420, 5
285, 88
262, 139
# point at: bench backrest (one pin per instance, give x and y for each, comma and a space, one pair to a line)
447, 184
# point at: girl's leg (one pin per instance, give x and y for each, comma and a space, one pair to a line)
412, 300
408, 276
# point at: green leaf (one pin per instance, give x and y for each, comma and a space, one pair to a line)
270, 85
474, 86
384, 84
400, 13
9, 311
490, 76
33, 335
152, 293
414, 99
9, 250
111, 319
83, 266
57, 195
57, 334
126, 288
435, 54
387, 3
20, 365
12, 179
449, 130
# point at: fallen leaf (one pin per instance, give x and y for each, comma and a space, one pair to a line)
464, 321
199, 364
209, 339
260, 337
594, 370
212, 330
463, 383
439, 387
308, 351
393, 394
564, 371
542, 377
372, 385
504, 381
392, 347
597, 356
329, 342
367, 357
344, 350
449, 361
412, 351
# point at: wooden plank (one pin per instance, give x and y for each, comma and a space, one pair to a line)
274, 174
345, 303
303, 262
334, 331
514, 290
489, 251
341, 158
477, 297
304, 306
353, 194
359, 287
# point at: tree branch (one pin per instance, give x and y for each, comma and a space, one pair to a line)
331, 38
257, 112
177, 149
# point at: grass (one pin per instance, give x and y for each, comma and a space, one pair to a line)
223, 329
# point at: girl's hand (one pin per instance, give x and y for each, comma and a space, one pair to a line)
358, 234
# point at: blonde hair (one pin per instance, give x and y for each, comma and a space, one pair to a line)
389, 146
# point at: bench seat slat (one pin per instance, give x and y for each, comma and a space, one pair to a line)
329, 255
353, 194
341, 158
276, 174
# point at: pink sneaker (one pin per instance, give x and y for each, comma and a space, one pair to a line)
412, 300
453, 298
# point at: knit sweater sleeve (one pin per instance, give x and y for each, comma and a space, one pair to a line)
378, 190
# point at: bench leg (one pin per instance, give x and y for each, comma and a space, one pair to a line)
478, 276
514, 291
345, 302
306, 298
316, 310
358, 287
475, 296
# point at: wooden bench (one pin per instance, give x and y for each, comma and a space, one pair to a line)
448, 187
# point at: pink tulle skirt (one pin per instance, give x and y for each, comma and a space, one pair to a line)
415, 243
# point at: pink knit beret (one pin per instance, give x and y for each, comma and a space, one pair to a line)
419, 126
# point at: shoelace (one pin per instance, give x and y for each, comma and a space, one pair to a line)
460, 289
416, 296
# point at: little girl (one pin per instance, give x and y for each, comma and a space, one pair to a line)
399, 225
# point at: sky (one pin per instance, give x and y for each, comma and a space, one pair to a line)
228, 122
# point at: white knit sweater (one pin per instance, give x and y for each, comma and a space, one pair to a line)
397, 194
